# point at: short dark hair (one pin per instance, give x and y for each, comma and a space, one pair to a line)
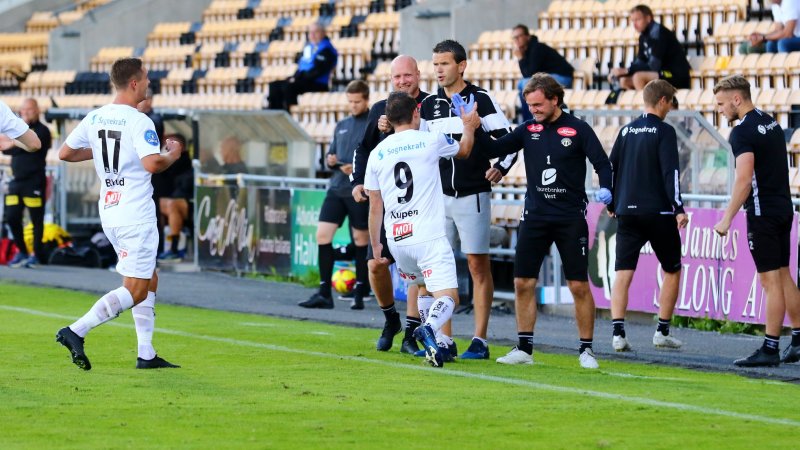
451, 46
124, 70
358, 87
178, 137
547, 84
400, 108
655, 90
644, 9
524, 29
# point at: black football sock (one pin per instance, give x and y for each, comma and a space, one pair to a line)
325, 269
525, 341
663, 326
619, 327
770, 345
411, 324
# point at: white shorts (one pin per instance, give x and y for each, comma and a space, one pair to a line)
430, 263
468, 220
136, 247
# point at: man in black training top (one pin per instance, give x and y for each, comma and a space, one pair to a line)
535, 57
555, 145
762, 185
467, 183
28, 187
339, 203
647, 203
660, 55
405, 77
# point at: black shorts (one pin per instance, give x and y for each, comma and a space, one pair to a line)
768, 239
385, 253
27, 193
537, 236
661, 230
336, 208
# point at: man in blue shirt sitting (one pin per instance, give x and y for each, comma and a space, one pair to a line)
313, 71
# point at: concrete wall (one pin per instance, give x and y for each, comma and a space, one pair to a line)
14, 14
462, 20
119, 23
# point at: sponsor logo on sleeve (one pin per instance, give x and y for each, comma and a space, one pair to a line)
448, 139
624, 131
535, 128
566, 131
762, 129
402, 230
122, 254
151, 138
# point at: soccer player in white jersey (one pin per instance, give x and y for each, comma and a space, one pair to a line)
14, 132
405, 193
125, 148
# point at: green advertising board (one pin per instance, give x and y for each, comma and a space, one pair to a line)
305, 216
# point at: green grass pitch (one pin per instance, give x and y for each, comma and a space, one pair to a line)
250, 381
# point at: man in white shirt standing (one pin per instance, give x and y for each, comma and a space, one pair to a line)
125, 148
785, 34
14, 132
405, 193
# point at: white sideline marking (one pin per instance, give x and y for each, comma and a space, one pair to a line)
455, 373
256, 324
644, 377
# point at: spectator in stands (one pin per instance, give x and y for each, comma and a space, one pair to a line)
761, 185
27, 188
313, 71
208, 162
535, 57
231, 151
175, 205
405, 77
340, 204
785, 34
660, 55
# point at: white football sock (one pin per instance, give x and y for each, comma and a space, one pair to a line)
107, 308
424, 303
443, 340
440, 312
144, 317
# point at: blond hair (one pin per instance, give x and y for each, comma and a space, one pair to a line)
734, 83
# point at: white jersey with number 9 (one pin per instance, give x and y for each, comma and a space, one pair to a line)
120, 136
405, 168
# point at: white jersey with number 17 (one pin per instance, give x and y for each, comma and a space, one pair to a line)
405, 168
120, 136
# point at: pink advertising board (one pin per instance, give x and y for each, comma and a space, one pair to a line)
718, 279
